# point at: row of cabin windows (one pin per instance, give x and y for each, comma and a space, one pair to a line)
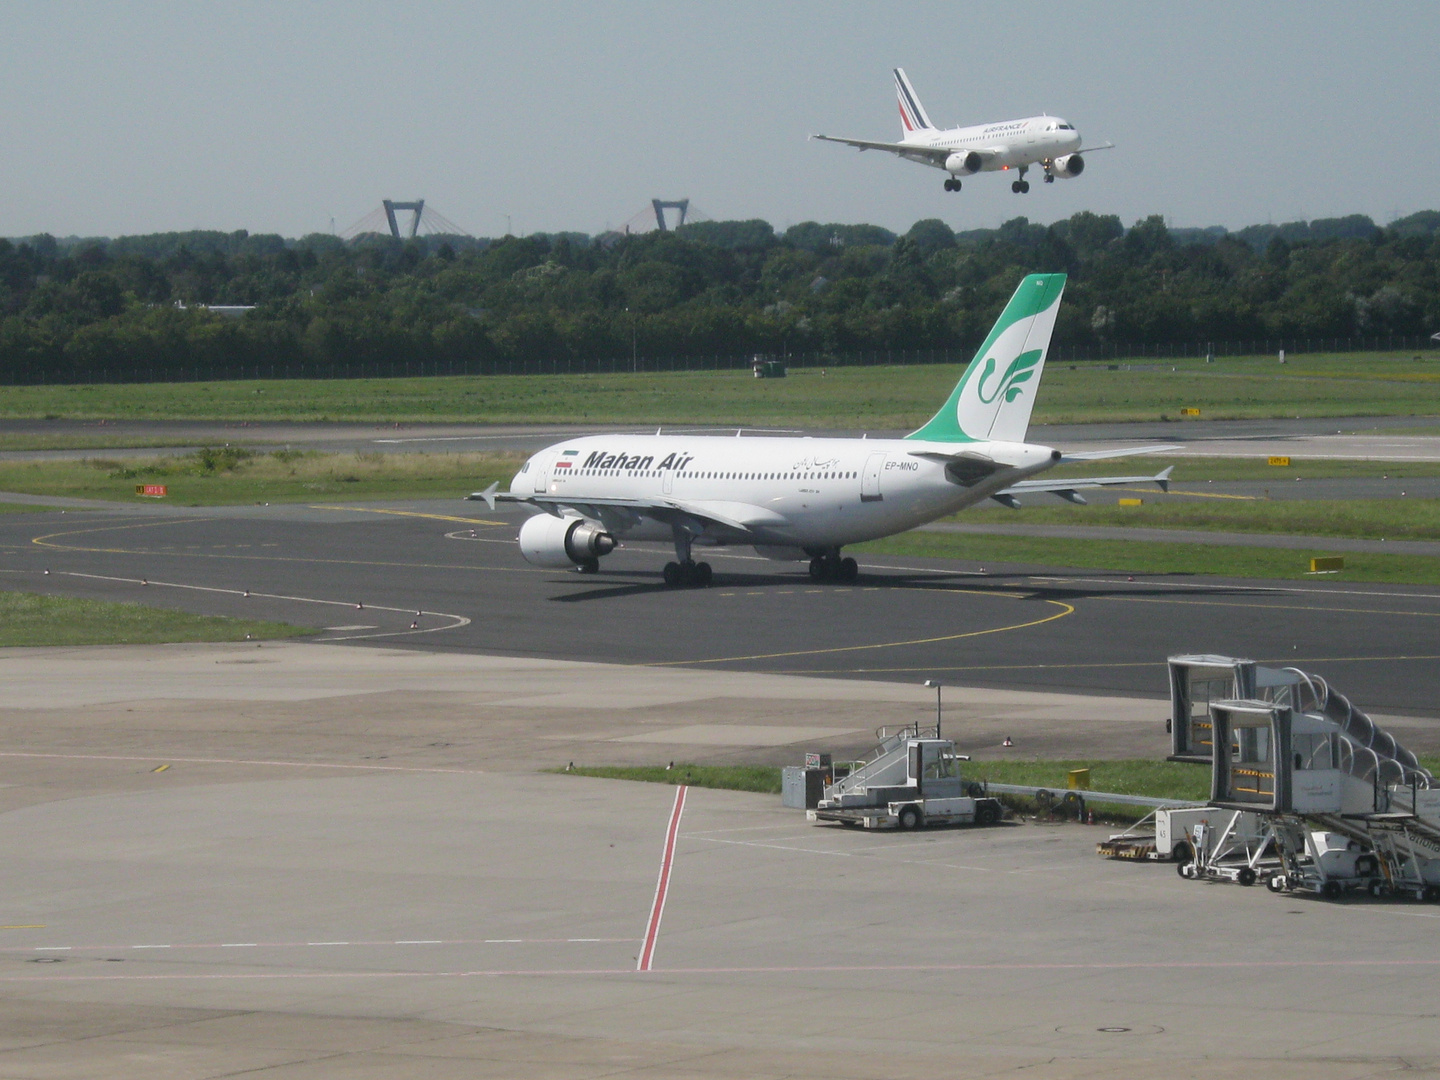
725, 476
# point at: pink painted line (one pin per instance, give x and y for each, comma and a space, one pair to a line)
662, 884
494, 973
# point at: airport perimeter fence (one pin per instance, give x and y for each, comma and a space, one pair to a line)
21, 374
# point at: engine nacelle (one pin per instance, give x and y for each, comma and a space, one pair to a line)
963, 163
560, 543
1068, 167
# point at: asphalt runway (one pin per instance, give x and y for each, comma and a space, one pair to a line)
452, 570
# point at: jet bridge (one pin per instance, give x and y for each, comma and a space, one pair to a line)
1349, 808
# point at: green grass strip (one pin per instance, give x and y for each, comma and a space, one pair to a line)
761, 778
1156, 779
32, 620
1156, 557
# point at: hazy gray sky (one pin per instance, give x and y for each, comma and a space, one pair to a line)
277, 117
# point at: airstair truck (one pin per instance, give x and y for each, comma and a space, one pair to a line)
910, 779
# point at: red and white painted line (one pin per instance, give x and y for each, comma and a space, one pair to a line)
662, 883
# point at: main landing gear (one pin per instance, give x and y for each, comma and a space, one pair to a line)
1021, 186
686, 572
952, 183
831, 567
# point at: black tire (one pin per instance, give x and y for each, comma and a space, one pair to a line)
703, 575
1015, 186
1431, 895
1331, 890
849, 569
1246, 877
590, 566
672, 574
1182, 852
1275, 883
817, 569
986, 814
910, 818
1183, 868
1024, 187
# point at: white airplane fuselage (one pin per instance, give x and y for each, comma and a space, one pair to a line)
801, 493
1008, 144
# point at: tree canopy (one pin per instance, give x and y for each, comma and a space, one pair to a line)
141, 304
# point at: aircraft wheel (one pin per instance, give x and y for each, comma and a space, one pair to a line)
817, 569
849, 569
703, 574
672, 574
1015, 187
590, 566
1024, 187
1049, 178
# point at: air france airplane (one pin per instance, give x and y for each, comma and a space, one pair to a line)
1047, 141
799, 498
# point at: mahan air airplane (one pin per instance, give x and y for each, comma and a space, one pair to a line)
1047, 141
807, 498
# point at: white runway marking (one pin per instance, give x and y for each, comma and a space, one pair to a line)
456, 621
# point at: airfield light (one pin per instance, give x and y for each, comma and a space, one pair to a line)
936, 684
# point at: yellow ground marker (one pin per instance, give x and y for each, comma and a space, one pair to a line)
1282, 462
25, 926
162, 768
1132, 502
1327, 564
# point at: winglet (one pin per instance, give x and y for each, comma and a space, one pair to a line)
488, 495
1163, 478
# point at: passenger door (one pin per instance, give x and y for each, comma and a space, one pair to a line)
870, 478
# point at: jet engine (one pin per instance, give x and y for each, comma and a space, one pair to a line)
563, 542
963, 163
1068, 167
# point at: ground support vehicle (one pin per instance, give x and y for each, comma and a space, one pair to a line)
910, 779
1226, 845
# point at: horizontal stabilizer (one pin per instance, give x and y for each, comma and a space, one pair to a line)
1124, 451
1161, 479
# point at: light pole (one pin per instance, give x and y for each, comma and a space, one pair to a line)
936, 684
634, 357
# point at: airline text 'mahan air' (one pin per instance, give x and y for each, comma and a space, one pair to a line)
806, 498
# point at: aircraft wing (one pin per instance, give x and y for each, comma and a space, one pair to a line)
934, 154
1069, 489
1097, 146
742, 517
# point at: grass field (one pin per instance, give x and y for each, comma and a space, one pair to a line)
30, 619
234, 475
1387, 519
1155, 557
852, 398
1200, 469
1127, 776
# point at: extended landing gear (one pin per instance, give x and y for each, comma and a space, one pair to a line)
952, 184
1021, 186
833, 568
688, 574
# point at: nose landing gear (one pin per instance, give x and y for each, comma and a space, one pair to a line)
831, 567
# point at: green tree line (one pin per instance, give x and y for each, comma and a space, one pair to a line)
139, 307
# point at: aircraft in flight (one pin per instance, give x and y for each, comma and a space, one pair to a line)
1047, 141
806, 498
